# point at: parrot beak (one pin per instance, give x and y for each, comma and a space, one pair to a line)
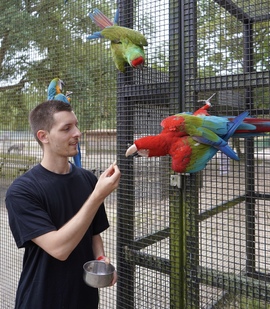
132, 149
138, 63
61, 84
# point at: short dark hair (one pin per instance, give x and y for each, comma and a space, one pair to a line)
41, 117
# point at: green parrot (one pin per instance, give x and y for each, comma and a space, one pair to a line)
126, 44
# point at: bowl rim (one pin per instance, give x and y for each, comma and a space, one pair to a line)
95, 274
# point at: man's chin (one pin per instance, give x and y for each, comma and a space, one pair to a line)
74, 153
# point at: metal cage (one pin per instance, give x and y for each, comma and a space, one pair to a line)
190, 240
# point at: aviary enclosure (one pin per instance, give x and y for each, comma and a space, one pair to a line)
199, 240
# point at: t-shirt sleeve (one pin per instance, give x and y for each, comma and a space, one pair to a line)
27, 219
100, 222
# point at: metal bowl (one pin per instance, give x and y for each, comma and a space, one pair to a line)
98, 274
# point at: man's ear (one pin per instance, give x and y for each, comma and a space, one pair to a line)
42, 135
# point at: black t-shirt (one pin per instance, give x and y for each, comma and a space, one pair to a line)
39, 202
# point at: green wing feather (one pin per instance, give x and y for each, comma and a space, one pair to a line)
118, 33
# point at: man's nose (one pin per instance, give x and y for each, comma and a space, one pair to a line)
77, 132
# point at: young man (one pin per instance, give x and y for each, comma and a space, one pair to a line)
56, 213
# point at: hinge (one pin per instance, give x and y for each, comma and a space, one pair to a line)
175, 181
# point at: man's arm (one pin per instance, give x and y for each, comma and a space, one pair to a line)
97, 245
62, 242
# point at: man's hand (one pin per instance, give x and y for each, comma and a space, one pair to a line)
107, 261
108, 181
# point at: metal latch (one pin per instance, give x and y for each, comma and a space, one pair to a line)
175, 181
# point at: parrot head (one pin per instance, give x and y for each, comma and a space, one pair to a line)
125, 51
151, 146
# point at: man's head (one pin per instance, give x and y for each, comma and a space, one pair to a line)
42, 116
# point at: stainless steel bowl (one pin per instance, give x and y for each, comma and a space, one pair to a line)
98, 274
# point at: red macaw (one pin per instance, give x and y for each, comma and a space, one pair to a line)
193, 140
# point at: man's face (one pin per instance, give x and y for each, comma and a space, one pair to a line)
64, 135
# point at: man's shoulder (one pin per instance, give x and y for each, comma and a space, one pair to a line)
26, 180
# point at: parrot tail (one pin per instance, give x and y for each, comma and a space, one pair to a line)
234, 124
100, 19
221, 142
78, 159
260, 126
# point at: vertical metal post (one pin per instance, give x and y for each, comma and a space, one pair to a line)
184, 240
249, 150
125, 192
177, 248
125, 205
177, 209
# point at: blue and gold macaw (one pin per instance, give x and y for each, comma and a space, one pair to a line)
55, 93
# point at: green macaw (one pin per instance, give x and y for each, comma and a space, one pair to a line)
126, 44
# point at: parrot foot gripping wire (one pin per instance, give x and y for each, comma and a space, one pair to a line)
207, 101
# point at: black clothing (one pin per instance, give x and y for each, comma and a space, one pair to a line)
40, 202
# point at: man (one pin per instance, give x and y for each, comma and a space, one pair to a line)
56, 213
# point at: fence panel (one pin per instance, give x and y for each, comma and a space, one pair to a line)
178, 240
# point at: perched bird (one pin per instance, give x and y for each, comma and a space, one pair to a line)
126, 44
208, 130
55, 93
193, 141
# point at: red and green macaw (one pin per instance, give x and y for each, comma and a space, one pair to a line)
193, 140
55, 93
126, 44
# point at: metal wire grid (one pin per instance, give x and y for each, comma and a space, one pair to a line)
232, 214
147, 204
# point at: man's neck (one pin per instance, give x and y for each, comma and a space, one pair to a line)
62, 167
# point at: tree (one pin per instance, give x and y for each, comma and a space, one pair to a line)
43, 39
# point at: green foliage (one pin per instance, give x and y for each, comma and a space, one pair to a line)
221, 41
41, 40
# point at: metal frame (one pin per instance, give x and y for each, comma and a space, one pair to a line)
183, 267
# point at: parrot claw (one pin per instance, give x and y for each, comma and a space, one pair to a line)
207, 101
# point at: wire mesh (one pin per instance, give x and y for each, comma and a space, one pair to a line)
197, 240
